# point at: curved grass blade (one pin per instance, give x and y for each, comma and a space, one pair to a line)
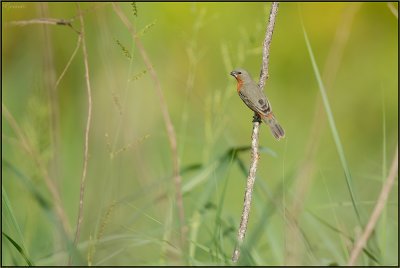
46, 206
19, 249
8, 209
332, 125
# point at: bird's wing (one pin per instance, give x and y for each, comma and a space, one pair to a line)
255, 99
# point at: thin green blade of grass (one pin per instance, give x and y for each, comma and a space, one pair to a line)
150, 188
267, 151
217, 229
19, 249
121, 250
201, 177
46, 206
33, 189
327, 224
208, 250
194, 231
139, 239
343, 243
8, 209
203, 172
219, 167
372, 242
265, 211
207, 170
167, 234
204, 202
329, 244
232, 155
61, 255
268, 211
332, 126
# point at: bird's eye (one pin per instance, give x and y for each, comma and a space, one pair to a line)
239, 72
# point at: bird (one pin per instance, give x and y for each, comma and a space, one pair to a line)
254, 97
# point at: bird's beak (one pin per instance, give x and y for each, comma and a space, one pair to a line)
233, 73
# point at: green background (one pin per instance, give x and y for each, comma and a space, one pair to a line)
129, 204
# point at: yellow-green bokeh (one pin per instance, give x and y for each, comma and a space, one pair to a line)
199, 41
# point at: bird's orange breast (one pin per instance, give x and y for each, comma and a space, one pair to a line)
240, 83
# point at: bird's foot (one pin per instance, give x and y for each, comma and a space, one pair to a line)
256, 118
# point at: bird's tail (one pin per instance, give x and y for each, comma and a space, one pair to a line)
276, 129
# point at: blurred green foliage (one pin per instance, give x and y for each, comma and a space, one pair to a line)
193, 47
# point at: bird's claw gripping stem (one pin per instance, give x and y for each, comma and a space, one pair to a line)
256, 118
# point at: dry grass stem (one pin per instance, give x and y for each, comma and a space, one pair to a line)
39, 21
377, 210
48, 180
167, 120
255, 134
53, 21
44, 21
78, 227
89, 9
267, 44
249, 190
78, 43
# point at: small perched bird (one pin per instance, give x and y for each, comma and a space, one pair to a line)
255, 99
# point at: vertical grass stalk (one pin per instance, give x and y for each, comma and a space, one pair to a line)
332, 126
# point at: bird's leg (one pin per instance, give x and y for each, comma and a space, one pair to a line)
256, 118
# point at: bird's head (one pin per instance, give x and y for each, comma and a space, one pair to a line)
241, 75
